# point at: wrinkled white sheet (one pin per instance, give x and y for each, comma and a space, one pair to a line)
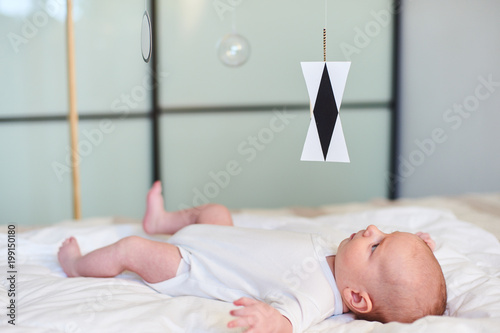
47, 301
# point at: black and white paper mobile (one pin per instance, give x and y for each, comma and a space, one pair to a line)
325, 138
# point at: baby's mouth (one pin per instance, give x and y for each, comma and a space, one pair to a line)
352, 236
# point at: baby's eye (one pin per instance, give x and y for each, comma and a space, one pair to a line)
374, 247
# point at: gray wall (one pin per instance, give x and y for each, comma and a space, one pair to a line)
450, 98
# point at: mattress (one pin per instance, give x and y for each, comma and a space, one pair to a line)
47, 301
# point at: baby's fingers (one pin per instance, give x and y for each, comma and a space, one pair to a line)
427, 239
245, 301
245, 321
240, 312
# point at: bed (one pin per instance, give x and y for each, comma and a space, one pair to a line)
466, 230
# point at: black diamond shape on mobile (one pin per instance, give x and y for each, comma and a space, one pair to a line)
325, 112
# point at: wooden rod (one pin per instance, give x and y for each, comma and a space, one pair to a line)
73, 112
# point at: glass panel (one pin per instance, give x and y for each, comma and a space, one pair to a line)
31, 192
111, 74
36, 178
116, 174
253, 159
281, 34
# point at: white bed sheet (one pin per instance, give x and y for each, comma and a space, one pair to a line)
47, 301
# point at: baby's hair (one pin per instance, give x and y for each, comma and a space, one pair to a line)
400, 296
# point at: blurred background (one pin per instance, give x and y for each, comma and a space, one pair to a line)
420, 110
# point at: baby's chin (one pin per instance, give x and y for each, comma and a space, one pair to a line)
343, 243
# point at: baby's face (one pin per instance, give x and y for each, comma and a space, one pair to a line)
361, 257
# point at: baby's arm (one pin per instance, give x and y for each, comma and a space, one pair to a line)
259, 317
427, 239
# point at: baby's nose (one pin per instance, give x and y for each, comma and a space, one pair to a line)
371, 230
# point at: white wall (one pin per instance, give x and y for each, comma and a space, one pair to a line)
450, 97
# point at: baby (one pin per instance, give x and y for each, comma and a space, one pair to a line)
284, 281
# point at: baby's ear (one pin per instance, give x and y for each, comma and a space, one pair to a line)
357, 301
427, 239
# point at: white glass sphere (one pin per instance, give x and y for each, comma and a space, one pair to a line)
233, 50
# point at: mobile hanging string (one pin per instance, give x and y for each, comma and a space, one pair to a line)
324, 44
324, 32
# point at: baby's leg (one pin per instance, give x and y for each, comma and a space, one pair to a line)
153, 261
158, 221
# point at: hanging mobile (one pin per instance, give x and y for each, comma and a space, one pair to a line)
146, 35
233, 49
325, 84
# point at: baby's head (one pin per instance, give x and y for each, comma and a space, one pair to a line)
389, 277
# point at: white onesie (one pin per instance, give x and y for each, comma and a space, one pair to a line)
285, 269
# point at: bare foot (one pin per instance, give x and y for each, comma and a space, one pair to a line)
69, 253
155, 211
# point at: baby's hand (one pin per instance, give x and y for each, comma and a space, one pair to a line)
259, 317
427, 239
